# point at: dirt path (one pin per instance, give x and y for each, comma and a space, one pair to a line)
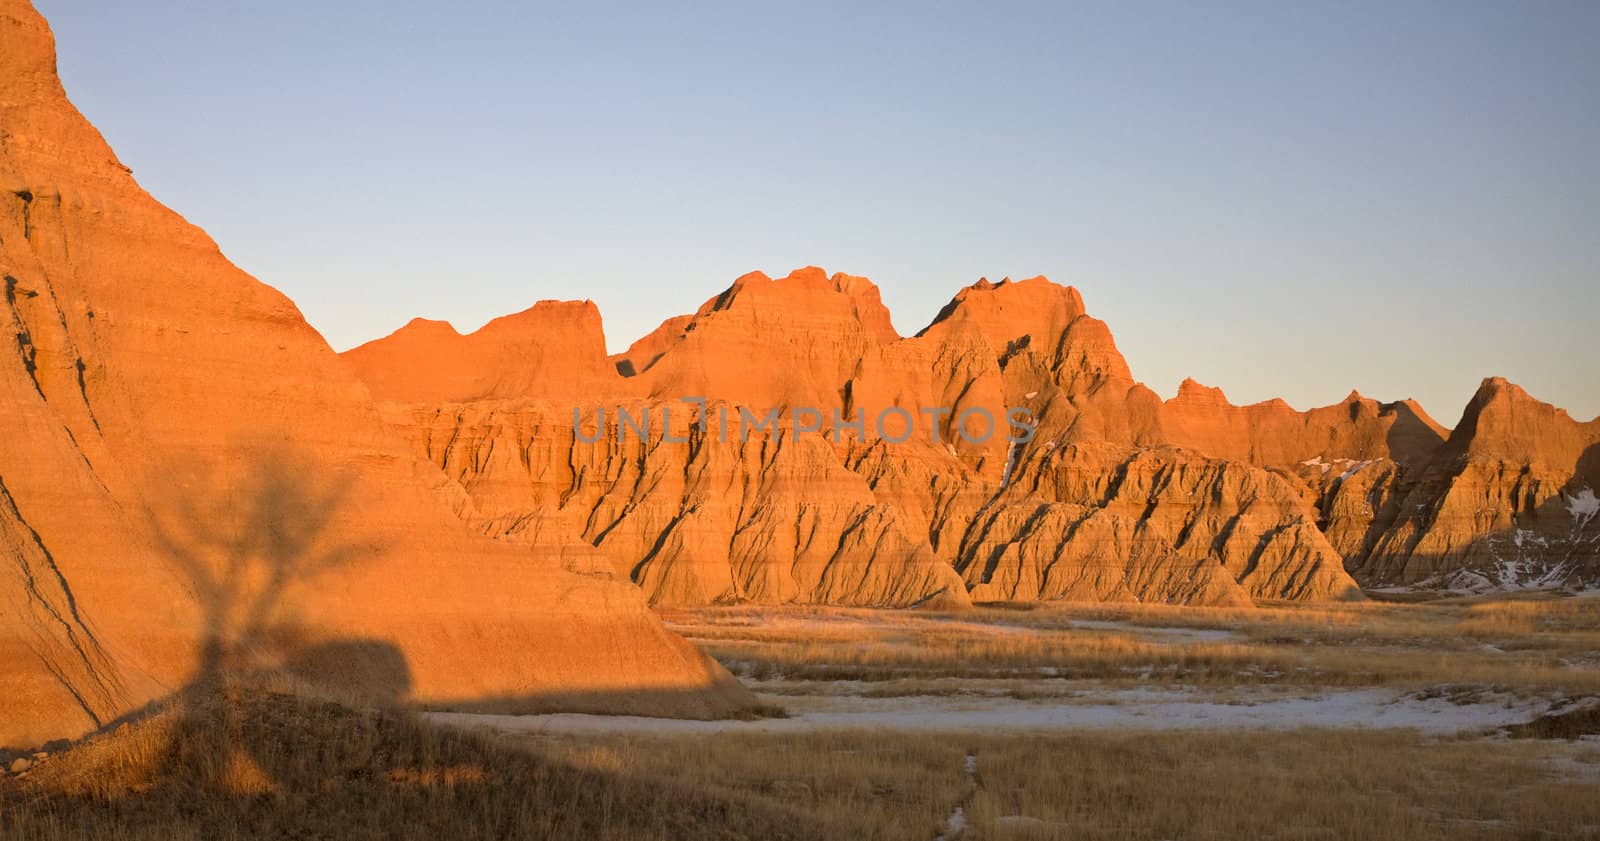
955, 826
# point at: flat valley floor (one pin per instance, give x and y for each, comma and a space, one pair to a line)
1438, 718
1446, 718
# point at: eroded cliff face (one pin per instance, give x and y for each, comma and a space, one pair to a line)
692, 517
1098, 504
1507, 502
1155, 524
1502, 502
1118, 494
187, 471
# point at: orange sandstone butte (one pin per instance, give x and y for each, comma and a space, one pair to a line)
189, 474
1120, 495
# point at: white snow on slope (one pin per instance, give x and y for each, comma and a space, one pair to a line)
1583, 506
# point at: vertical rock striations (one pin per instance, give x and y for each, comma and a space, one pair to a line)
1099, 504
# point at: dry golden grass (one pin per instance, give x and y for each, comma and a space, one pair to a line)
1308, 784
271, 765
855, 784
263, 764
1135, 785
1537, 645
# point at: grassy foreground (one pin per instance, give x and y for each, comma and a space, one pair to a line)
260, 764
1201, 786
250, 763
260, 761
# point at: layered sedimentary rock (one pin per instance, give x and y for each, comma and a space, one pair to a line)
1098, 503
1118, 494
1344, 458
1504, 501
693, 519
1271, 434
1508, 501
188, 472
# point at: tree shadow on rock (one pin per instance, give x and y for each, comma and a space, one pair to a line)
244, 540
283, 730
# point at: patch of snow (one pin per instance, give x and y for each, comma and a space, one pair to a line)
1011, 465
1318, 462
955, 824
1510, 574
1120, 709
1175, 634
1030, 395
1583, 506
1353, 470
1521, 573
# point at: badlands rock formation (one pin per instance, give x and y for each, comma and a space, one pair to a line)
1508, 501
555, 348
1505, 501
1118, 495
188, 473
1100, 503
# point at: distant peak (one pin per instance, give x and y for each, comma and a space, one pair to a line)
1037, 298
1494, 389
809, 290
808, 274
1192, 389
420, 323
547, 314
425, 327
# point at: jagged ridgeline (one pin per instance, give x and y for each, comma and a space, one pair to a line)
189, 475
1117, 495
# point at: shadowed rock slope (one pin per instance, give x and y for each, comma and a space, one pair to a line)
1507, 502
188, 473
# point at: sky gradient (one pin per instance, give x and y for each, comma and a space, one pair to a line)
1277, 199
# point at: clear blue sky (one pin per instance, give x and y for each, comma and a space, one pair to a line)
1280, 199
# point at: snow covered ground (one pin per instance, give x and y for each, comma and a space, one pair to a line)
1128, 709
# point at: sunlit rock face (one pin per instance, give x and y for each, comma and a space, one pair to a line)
189, 475
1097, 502
1116, 495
